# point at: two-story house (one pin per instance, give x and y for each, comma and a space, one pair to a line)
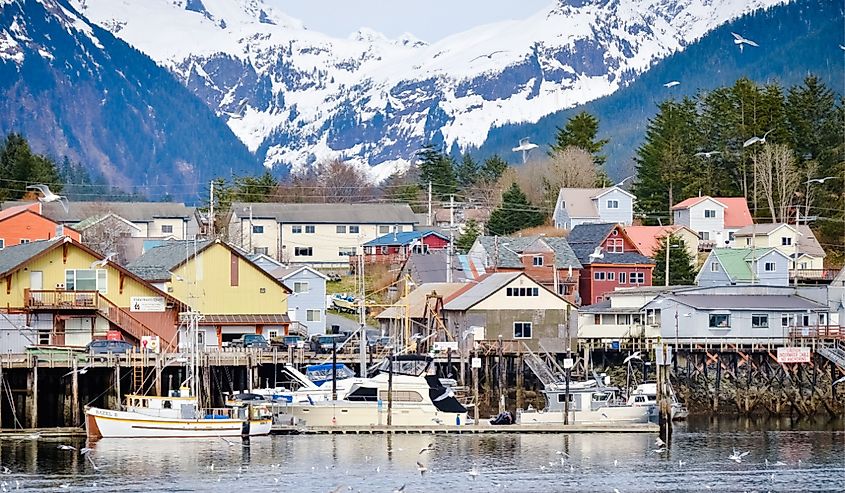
60, 292
715, 219
24, 223
548, 260
234, 296
736, 266
307, 302
610, 258
510, 306
314, 234
593, 205
796, 242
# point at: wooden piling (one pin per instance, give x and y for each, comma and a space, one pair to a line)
117, 392
488, 380
520, 380
500, 361
32, 395
74, 395
158, 374
2, 386
475, 390
718, 382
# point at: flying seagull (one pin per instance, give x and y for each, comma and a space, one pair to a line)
45, 195
425, 449
707, 154
623, 181
635, 355
841, 380
739, 40
103, 261
489, 56
81, 371
820, 180
671, 84
738, 456
525, 147
755, 139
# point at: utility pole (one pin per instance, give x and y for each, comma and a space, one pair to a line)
429, 203
250, 229
568, 365
211, 210
362, 318
797, 234
668, 250
449, 249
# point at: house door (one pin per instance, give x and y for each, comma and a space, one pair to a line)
36, 280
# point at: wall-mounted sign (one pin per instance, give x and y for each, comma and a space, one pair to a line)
150, 344
444, 346
476, 362
793, 355
146, 304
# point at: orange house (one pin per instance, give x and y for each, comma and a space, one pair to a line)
24, 223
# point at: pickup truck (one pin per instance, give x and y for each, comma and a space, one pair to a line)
250, 341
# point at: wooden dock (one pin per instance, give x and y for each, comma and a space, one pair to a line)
41, 433
465, 429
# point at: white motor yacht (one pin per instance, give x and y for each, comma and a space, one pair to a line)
645, 395
590, 402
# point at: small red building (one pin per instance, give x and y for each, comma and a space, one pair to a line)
24, 223
398, 246
610, 260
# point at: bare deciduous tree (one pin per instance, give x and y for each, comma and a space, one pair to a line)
778, 178
332, 181
542, 180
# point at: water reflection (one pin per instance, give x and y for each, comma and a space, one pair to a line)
695, 460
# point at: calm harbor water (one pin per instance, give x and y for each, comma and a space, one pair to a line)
809, 457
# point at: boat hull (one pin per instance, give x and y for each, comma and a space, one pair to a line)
104, 423
605, 415
342, 413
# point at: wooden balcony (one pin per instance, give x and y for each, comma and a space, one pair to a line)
832, 332
813, 275
61, 300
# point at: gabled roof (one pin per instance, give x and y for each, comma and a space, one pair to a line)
93, 220
402, 238
131, 211
736, 262
647, 238
507, 245
585, 238
693, 201
762, 229
17, 209
415, 300
425, 268
283, 273
156, 264
263, 257
578, 202
736, 212
743, 301
466, 298
328, 213
808, 244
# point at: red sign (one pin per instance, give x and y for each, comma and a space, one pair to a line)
793, 355
114, 335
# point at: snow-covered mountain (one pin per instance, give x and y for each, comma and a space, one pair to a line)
295, 96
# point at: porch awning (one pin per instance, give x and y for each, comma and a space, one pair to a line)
245, 319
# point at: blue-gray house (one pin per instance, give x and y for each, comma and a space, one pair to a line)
307, 302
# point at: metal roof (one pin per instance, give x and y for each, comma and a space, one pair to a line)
157, 263
13, 256
431, 267
746, 302
564, 254
132, 211
328, 213
736, 262
485, 288
585, 238
245, 319
402, 238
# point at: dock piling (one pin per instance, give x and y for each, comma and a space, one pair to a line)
74, 394
32, 395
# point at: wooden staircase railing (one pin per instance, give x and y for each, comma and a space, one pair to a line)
128, 323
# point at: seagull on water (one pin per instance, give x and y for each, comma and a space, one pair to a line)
755, 139
399, 489
66, 447
740, 40
707, 154
473, 473
681, 463
45, 195
671, 84
421, 468
738, 456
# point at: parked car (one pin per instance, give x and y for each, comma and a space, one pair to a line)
105, 346
284, 342
322, 343
250, 341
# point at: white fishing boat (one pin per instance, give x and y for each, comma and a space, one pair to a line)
418, 399
590, 402
645, 395
179, 414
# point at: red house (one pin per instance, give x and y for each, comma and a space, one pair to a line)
610, 260
24, 223
398, 246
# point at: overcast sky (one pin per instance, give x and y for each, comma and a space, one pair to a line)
429, 20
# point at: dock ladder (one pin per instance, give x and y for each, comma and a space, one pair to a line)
834, 354
137, 376
540, 368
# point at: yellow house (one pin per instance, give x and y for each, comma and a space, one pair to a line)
798, 243
234, 295
66, 294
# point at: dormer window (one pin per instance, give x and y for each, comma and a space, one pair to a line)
612, 204
538, 261
786, 241
709, 213
615, 245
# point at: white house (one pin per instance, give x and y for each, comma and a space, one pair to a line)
593, 205
715, 219
314, 234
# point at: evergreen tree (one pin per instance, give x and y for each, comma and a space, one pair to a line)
437, 168
20, 167
467, 238
581, 131
467, 172
400, 187
514, 213
681, 264
493, 168
254, 188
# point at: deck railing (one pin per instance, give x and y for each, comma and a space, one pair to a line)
51, 299
813, 274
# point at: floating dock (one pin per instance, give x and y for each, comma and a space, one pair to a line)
466, 429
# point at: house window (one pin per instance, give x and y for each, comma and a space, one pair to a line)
623, 277
612, 204
759, 321
598, 276
384, 229
200, 339
704, 235
803, 266
769, 266
637, 277
784, 319
709, 212
24, 241
637, 318
339, 229
785, 240
86, 280
259, 230
522, 330
2, 243
346, 251
300, 286
611, 276
615, 246
731, 236
312, 315
354, 230
720, 320
167, 228
714, 266
652, 317
596, 319
260, 250
385, 250
309, 228
538, 261
747, 241
296, 229
303, 252
522, 292
623, 319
